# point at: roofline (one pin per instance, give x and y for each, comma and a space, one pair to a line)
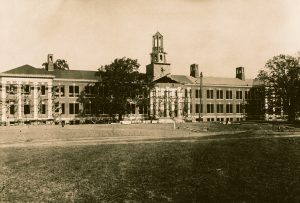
219, 85
74, 79
26, 75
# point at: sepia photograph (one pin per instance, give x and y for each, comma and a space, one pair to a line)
149, 101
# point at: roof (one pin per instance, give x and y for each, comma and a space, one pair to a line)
76, 74
27, 70
221, 81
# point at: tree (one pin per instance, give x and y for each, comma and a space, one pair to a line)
59, 64
121, 85
281, 78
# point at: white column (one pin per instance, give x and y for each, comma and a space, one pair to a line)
151, 103
173, 102
35, 100
189, 101
19, 97
50, 100
179, 102
3, 101
167, 102
157, 102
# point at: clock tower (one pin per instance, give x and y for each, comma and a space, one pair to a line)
158, 66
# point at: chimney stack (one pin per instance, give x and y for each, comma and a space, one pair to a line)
194, 71
50, 66
240, 73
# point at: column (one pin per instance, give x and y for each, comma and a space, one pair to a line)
3, 101
151, 103
173, 103
157, 102
50, 100
35, 100
19, 97
167, 102
179, 102
189, 101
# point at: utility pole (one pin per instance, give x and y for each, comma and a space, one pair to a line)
200, 94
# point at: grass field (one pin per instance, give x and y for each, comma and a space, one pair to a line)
234, 170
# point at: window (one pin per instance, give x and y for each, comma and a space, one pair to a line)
220, 108
185, 93
73, 91
239, 94
239, 108
12, 109
198, 94
11, 89
26, 109
73, 108
26, 89
62, 108
43, 90
143, 109
56, 107
198, 107
228, 108
210, 108
62, 90
247, 95
191, 108
209, 94
219, 94
154, 93
89, 91
228, 94
43, 108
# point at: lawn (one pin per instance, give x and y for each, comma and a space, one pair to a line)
247, 170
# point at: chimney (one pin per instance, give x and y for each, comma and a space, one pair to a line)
240, 73
194, 71
50, 66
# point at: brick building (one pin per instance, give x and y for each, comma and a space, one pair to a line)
34, 94
196, 96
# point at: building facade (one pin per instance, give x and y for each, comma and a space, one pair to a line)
196, 97
30, 94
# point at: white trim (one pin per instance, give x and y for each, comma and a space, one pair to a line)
72, 80
26, 75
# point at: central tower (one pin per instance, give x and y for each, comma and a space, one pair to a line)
158, 66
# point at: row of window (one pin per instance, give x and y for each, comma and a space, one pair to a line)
73, 108
223, 119
220, 94
210, 108
210, 94
59, 90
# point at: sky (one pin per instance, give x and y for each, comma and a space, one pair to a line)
218, 35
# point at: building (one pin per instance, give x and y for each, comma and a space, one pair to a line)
195, 96
30, 94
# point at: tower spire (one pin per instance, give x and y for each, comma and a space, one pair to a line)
158, 55
158, 66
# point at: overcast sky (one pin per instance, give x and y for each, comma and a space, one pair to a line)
219, 35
